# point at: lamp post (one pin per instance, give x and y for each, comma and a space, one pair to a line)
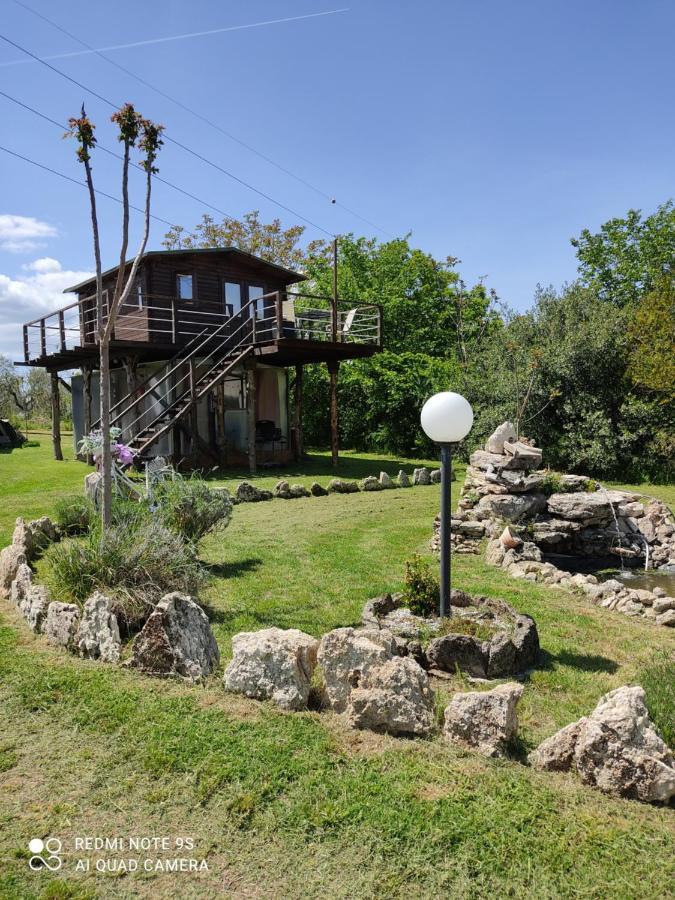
446, 418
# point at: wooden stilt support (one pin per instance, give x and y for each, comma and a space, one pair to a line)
56, 416
86, 400
297, 423
333, 368
130, 366
219, 397
251, 413
194, 418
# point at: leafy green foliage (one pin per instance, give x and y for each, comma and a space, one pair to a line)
658, 678
652, 336
628, 256
192, 509
268, 240
421, 589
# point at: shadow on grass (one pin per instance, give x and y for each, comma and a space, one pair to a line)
317, 465
582, 661
233, 569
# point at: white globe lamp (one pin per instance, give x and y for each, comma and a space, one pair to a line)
446, 419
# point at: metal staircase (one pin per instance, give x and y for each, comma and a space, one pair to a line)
171, 393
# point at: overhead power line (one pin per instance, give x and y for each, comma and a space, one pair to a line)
203, 118
81, 184
171, 140
170, 184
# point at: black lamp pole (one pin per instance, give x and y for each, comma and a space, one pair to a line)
446, 479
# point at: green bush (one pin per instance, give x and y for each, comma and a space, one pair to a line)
191, 509
135, 567
421, 591
74, 515
658, 678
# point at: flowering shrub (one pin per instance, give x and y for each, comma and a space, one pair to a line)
92, 445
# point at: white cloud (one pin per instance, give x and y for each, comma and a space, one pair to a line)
30, 295
21, 234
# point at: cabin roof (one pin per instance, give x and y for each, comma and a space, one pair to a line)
287, 275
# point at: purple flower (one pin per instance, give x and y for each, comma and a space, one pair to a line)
124, 454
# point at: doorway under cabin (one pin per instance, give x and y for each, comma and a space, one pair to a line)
201, 353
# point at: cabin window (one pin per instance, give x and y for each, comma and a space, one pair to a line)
184, 287
232, 297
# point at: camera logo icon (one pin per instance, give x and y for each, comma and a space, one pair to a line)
46, 854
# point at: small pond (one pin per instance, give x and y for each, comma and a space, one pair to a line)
604, 567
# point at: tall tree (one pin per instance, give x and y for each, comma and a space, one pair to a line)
268, 240
628, 256
132, 129
652, 336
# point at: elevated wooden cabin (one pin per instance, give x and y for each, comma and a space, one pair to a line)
201, 352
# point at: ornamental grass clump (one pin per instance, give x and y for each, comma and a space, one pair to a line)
190, 508
74, 515
135, 567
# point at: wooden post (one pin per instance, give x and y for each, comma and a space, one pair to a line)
335, 292
279, 308
26, 346
251, 413
62, 331
56, 416
219, 397
194, 418
334, 441
43, 338
298, 411
86, 401
130, 365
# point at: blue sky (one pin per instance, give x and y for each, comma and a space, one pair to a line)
493, 131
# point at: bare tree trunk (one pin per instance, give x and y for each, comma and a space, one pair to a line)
56, 416
104, 382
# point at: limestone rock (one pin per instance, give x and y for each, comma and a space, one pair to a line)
248, 493
663, 604
299, 490
459, 651
273, 664
282, 489
10, 559
92, 486
21, 584
317, 490
61, 623
385, 481
666, 618
484, 720
176, 641
371, 483
421, 476
435, 476
525, 639
513, 507
98, 636
346, 655
615, 749
522, 455
504, 432
33, 607
378, 608
581, 506
394, 697
501, 656
403, 479
34, 536
338, 486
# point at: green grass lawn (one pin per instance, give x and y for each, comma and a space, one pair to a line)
296, 805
